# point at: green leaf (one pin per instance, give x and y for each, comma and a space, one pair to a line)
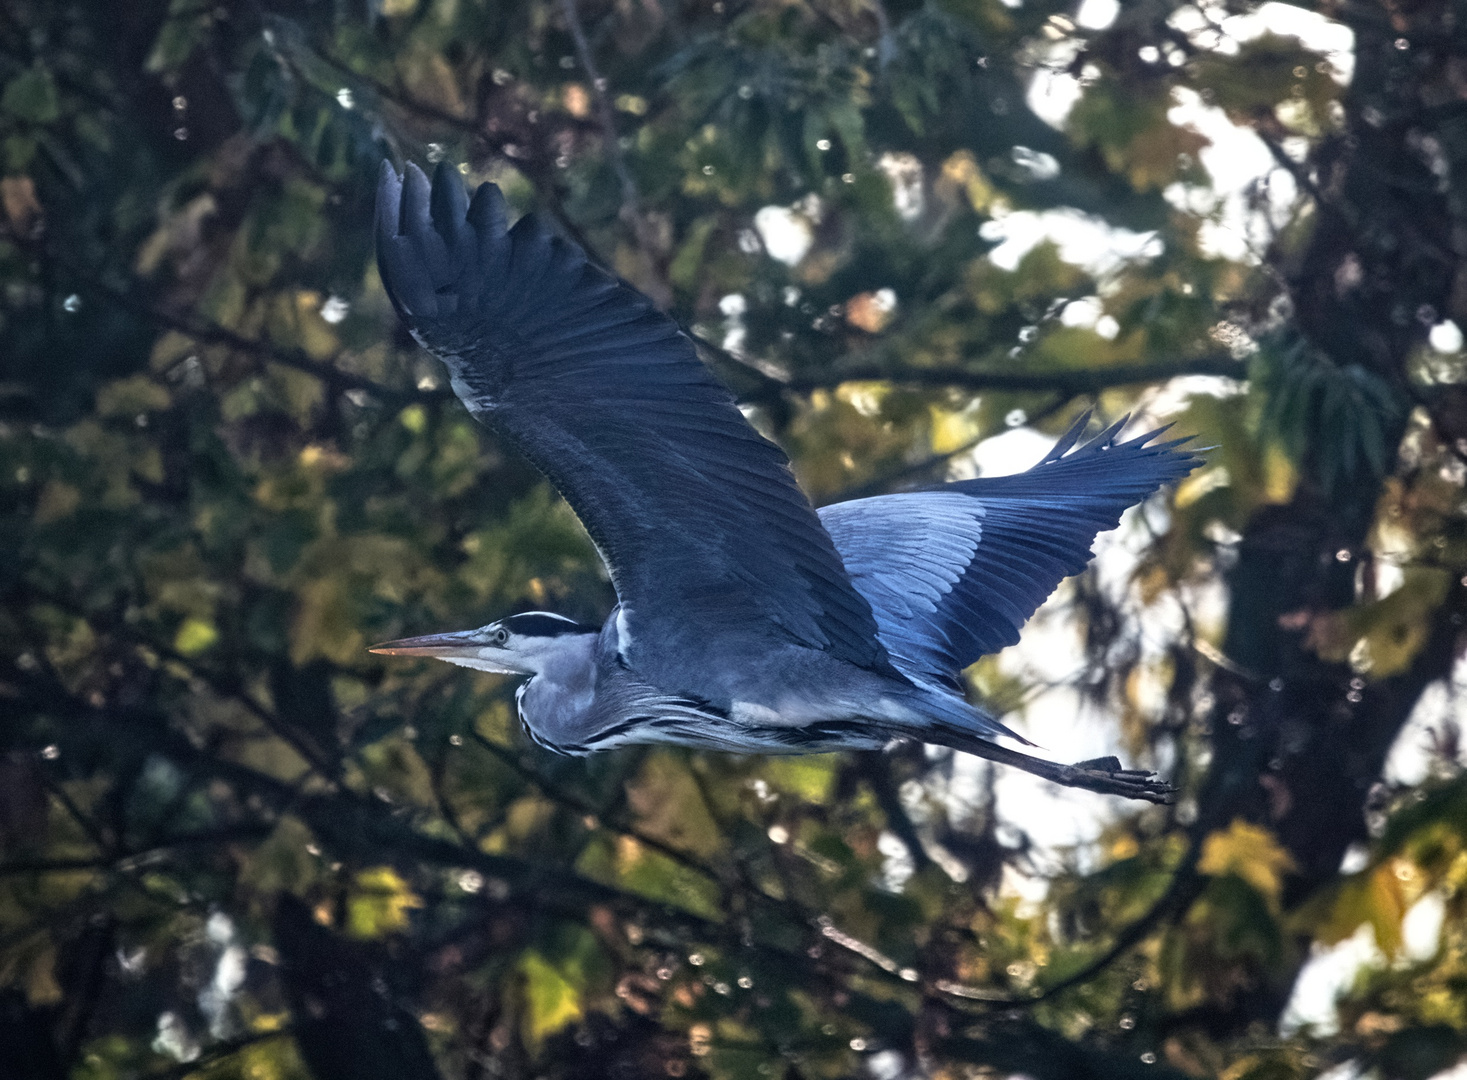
31, 96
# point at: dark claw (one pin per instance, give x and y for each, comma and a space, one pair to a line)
1105, 774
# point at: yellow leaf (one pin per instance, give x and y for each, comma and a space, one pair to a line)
551, 1000
169, 349
871, 311
1199, 484
325, 624
1153, 155
1124, 847
316, 456
952, 431
380, 903
811, 777
1249, 852
961, 173
41, 987
149, 465
18, 197
1393, 629
1241, 1068
194, 636
58, 500
270, 1021
429, 77
1279, 475
1376, 896
414, 418
577, 101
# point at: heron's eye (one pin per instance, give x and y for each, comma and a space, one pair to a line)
501, 636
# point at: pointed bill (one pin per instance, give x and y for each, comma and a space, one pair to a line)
442, 646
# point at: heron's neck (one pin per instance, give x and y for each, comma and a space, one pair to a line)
556, 705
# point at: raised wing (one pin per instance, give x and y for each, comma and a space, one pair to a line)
953, 573
709, 542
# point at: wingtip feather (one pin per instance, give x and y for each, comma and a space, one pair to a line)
1070, 437
416, 191
487, 211
449, 204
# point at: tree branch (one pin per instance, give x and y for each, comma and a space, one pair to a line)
1071, 382
214, 334
575, 802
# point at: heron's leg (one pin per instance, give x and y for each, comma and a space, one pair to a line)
1104, 775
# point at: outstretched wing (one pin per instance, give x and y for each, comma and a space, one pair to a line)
709, 542
953, 573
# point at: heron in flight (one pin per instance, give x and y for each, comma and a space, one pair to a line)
746, 620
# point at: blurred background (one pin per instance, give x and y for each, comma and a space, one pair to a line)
917, 239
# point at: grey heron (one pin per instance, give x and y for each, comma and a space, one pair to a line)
746, 620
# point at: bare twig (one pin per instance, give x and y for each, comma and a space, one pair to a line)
631, 199
475, 129
130, 860
218, 1052
881, 484
1297, 170
315, 759
767, 389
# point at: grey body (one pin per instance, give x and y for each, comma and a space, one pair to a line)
746, 621
586, 692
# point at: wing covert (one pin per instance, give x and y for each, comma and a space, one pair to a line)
952, 573
698, 517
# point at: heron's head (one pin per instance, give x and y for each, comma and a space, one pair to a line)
519, 645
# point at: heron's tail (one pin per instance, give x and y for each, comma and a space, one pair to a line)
940, 716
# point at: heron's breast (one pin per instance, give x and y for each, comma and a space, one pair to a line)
755, 715
796, 709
